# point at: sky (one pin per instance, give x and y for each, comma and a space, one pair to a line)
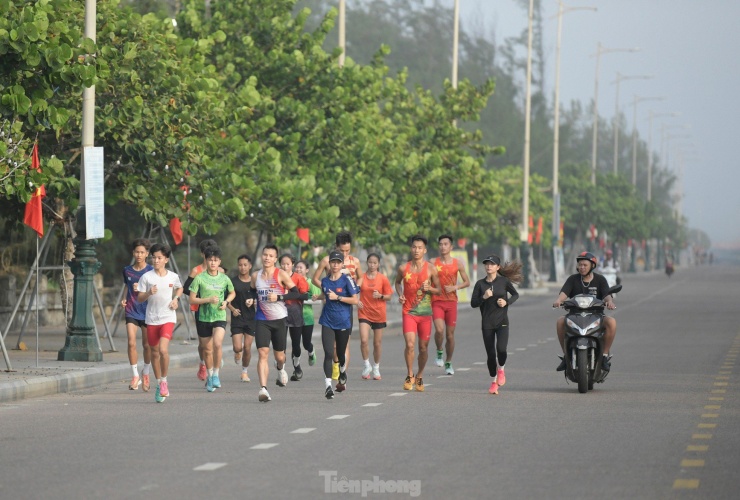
688, 47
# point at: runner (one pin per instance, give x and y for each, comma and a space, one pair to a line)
314, 294
242, 315
295, 313
202, 373
273, 286
212, 291
415, 281
161, 289
341, 293
135, 314
444, 305
352, 266
374, 293
494, 294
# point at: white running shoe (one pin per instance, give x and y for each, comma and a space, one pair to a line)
440, 361
449, 370
366, 372
282, 379
376, 373
264, 396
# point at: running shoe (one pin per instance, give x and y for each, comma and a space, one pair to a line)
449, 370
335, 371
311, 359
264, 396
409, 383
500, 377
419, 384
216, 381
158, 397
376, 373
245, 377
135, 383
329, 393
282, 378
297, 373
366, 372
164, 391
145, 383
493, 389
202, 372
237, 357
440, 361
209, 384
342, 382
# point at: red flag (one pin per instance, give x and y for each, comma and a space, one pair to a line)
531, 230
33, 217
461, 242
538, 235
176, 230
302, 233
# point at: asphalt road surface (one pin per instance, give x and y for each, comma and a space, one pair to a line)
663, 425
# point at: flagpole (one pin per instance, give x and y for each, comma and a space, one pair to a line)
37, 303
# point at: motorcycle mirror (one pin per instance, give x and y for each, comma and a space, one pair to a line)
615, 289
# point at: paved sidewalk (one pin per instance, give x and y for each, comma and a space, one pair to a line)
29, 379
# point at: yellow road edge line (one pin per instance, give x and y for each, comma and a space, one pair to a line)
709, 415
711, 407
697, 447
685, 484
701, 436
718, 391
707, 426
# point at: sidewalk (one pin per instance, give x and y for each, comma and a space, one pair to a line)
28, 380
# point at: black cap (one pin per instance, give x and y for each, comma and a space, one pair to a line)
493, 259
336, 255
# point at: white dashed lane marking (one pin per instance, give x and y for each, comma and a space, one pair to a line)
209, 466
401, 393
372, 404
463, 369
337, 417
479, 363
303, 430
440, 376
264, 446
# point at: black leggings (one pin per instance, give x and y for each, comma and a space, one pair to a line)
328, 337
301, 332
496, 341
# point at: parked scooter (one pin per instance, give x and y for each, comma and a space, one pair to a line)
584, 340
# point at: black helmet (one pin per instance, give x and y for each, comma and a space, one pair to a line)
588, 256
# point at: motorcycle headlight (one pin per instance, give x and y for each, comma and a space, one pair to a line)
593, 325
584, 302
572, 324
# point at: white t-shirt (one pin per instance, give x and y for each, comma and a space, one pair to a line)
158, 310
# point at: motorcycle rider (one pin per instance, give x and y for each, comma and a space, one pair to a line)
586, 281
609, 267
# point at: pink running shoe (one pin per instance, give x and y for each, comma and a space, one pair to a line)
145, 383
202, 372
164, 391
501, 377
493, 389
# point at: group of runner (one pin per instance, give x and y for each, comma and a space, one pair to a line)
278, 298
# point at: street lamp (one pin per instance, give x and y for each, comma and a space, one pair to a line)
556, 143
634, 133
524, 233
594, 143
652, 115
455, 41
620, 78
342, 31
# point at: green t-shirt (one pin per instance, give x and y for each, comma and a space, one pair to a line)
204, 285
308, 308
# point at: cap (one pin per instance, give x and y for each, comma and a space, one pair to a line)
493, 259
335, 255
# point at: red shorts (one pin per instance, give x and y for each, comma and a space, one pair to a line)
156, 332
421, 325
446, 310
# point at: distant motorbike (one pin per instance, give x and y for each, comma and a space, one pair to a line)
669, 269
584, 340
610, 273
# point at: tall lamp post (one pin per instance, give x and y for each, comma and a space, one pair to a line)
342, 31
81, 343
621, 78
636, 101
556, 145
524, 233
595, 140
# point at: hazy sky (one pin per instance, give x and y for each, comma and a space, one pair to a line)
689, 47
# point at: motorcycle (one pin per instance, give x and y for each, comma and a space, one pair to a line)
584, 340
669, 269
610, 273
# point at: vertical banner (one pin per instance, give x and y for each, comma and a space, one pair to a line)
93, 196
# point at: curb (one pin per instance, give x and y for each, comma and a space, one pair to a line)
68, 382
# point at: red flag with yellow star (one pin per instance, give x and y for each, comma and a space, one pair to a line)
33, 217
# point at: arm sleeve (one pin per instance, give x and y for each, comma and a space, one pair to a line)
294, 294
252, 293
475, 299
512, 292
187, 284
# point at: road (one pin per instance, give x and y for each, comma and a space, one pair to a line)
663, 425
